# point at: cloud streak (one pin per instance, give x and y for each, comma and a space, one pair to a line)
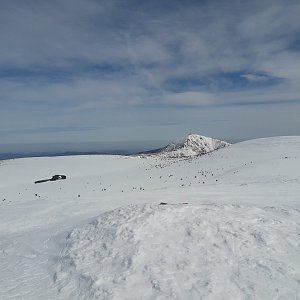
86, 55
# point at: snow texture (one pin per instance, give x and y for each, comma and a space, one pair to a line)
184, 252
101, 233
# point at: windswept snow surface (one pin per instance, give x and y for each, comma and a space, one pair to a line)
192, 145
185, 252
101, 233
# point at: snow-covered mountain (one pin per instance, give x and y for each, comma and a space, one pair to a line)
190, 146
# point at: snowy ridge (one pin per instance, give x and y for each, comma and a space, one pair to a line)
184, 252
192, 145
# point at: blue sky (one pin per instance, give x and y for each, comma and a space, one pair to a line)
118, 70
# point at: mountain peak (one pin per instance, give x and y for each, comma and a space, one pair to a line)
190, 146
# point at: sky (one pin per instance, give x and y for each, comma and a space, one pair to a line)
75, 71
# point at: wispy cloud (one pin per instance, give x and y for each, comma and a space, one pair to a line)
255, 77
87, 55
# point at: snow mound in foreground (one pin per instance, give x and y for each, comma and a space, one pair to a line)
192, 145
184, 252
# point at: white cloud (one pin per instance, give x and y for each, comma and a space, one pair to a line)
189, 98
255, 77
153, 42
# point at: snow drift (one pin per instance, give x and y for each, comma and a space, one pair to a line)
185, 252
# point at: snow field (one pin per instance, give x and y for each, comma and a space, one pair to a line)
184, 252
238, 237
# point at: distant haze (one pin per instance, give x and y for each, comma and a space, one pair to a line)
10, 151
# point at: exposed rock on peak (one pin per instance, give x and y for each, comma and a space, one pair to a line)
190, 146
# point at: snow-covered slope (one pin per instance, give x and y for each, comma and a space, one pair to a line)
101, 233
186, 252
190, 146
